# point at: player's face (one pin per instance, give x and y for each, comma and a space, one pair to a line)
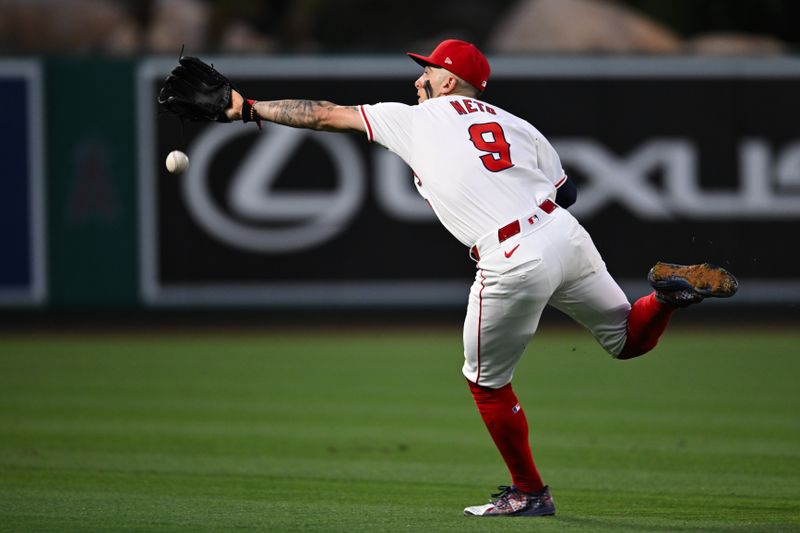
427, 84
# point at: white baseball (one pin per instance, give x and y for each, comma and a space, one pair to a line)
177, 162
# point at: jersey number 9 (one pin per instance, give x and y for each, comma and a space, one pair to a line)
490, 138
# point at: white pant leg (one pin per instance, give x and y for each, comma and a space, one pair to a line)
590, 296
505, 303
598, 304
557, 264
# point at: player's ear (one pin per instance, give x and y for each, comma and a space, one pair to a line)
450, 84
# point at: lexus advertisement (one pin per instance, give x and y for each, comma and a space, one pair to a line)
678, 160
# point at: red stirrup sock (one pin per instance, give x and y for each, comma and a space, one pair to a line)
646, 322
506, 422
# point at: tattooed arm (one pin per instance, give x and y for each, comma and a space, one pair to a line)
311, 114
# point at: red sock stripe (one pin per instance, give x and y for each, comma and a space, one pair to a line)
480, 318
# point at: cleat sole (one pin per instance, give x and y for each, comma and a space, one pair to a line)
705, 279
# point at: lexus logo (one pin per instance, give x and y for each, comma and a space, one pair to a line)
300, 220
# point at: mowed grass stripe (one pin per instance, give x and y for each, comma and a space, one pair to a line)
377, 431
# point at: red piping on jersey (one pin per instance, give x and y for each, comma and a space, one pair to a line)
480, 317
561, 181
366, 121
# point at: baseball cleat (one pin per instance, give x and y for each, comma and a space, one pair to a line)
512, 502
683, 285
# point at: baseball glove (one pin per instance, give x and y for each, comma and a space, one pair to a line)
196, 91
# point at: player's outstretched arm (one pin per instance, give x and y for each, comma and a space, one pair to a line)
311, 114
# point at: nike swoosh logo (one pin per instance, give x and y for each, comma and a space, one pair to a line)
511, 251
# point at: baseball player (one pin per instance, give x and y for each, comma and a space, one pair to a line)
496, 183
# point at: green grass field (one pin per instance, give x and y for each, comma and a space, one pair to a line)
372, 431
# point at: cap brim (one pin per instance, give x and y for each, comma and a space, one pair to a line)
421, 60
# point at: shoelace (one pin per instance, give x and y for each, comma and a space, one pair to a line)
500, 499
502, 496
505, 490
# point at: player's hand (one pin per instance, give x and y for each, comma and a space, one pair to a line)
234, 112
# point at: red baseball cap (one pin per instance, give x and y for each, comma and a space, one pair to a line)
461, 58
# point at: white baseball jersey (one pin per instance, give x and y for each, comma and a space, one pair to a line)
478, 166
481, 168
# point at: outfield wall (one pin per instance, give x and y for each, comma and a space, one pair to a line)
678, 159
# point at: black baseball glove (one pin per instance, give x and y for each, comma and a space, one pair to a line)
196, 91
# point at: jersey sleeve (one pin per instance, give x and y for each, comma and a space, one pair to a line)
390, 124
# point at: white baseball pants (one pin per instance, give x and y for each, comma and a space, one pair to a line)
551, 261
